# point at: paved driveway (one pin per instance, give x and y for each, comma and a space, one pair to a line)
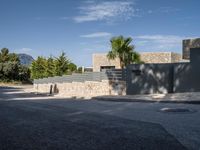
34, 122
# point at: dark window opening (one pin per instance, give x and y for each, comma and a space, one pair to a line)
137, 72
104, 68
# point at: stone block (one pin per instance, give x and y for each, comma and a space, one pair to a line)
188, 44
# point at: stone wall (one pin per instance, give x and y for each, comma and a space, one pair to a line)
148, 57
151, 57
160, 57
175, 57
99, 60
85, 89
189, 43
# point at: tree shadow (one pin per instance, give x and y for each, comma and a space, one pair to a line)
10, 93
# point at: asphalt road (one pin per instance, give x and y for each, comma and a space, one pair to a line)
28, 121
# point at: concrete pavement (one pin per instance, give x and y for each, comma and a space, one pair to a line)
190, 98
33, 122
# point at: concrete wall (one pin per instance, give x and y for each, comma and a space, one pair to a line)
165, 78
149, 78
187, 75
183, 78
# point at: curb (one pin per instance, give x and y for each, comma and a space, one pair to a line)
145, 101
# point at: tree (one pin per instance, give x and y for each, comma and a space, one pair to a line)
4, 55
14, 58
10, 71
38, 68
121, 48
1, 71
50, 69
53, 66
24, 73
61, 65
72, 67
10, 67
80, 70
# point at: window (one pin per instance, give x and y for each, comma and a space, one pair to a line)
136, 72
103, 68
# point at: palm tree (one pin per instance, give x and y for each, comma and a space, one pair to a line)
121, 48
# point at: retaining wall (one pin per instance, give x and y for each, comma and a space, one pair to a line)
84, 85
85, 89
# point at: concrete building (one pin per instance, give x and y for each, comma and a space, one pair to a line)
100, 61
163, 72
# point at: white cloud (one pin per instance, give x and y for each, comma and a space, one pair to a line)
23, 50
165, 10
168, 9
160, 42
161, 38
92, 11
97, 35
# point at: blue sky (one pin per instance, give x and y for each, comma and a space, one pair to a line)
83, 27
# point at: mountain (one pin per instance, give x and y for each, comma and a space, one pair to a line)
25, 59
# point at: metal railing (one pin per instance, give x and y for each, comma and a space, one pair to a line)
116, 74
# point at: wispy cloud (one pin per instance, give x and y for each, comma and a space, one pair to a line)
160, 42
96, 35
168, 9
162, 38
165, 10
23, 50
106, 10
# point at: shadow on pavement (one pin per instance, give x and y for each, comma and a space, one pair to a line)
36, 125
39, 126
13, 93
